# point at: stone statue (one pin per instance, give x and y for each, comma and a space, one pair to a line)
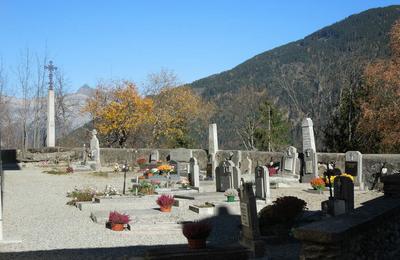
95, 149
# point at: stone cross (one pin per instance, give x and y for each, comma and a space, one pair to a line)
95, 150
51, 136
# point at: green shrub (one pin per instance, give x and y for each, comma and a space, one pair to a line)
279, 218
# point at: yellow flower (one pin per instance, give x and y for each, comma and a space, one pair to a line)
343, 174
164, 168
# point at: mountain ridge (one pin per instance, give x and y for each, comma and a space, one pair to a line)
306, 77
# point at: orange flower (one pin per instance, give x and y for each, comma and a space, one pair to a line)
317, 183
164, 168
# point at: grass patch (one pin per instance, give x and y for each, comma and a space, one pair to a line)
56, 172
100, 174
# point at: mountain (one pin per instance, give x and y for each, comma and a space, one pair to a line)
306, 77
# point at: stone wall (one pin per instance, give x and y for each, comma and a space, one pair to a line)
113, 155
371, 162
369, 232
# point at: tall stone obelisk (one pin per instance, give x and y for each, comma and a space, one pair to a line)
51, 126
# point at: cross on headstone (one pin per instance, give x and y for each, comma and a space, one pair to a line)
51, 68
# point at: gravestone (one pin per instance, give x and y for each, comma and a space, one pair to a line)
353, 166
154, 156
194, 173
290, 161
262, 184
246, 166
212, 150
95, 151
309, 148
344, 190
250, 233
182, 158
227, 176
309, 165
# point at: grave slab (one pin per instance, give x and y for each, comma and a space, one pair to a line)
101, 216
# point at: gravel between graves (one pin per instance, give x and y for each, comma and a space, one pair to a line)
35, 212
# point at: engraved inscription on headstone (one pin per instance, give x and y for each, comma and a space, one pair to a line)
244, 214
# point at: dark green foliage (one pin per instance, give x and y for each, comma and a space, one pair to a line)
279, 134
278, 218
306, 77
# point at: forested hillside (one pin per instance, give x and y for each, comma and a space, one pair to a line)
306, 77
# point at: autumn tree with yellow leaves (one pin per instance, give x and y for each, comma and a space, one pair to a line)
119, 112
170, 117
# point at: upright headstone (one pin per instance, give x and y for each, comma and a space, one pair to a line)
246, 166
194, 175
154, 156
353, 166
344, 190
212, 148
250, 233
51, 132
309, 148
227, 176
182, 158
95, 150
290, 161
262, 184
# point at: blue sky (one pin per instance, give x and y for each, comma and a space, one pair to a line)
93, 40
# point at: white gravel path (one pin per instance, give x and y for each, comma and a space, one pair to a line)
35, 212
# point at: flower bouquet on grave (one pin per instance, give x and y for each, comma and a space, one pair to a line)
141, 162
118, 221
197, 233
332, 177
230, 195
184, 182
165, 202
318, 184
165, 169
146, 188
151, 172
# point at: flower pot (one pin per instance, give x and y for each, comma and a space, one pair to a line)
117, 227
165, 209
150, 174
230, 198
197, 243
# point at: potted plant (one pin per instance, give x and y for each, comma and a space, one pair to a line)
318, 184
118, 221
197, 233
230, 195
165, 202
141, 162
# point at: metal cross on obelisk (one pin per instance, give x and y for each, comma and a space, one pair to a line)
51, 132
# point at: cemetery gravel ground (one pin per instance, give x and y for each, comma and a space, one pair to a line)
35, 212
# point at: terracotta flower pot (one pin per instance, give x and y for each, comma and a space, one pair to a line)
165, 209
197, 243
149, 174
117, 227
